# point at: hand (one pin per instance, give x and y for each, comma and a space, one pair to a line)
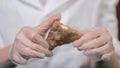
96, 42
30, 42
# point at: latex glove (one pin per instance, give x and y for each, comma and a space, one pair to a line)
30, 42
97, 42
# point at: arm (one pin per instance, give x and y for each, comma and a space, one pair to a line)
4, 60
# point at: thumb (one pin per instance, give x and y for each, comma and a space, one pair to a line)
43, 28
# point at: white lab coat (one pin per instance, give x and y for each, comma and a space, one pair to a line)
82, 14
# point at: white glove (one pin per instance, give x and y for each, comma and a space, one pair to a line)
29, 42
97, 42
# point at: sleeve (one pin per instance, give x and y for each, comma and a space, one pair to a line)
109, 20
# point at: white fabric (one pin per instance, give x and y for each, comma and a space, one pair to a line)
82, 14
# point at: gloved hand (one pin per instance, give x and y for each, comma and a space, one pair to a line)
30, 42
97, 42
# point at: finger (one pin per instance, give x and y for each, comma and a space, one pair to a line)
40, 41
25, 51
42, 29
15, 56
17, 59
31, 53
94, 43
36, 38
33, 35
99, 51
87, 37
107, 56
34, 46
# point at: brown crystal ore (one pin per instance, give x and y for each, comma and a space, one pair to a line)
61, 34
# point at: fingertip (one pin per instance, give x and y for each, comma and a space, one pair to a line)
85, 53
57, 17
23, 62
79, 49
75, 43
41, 56
49, 55
105, 58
